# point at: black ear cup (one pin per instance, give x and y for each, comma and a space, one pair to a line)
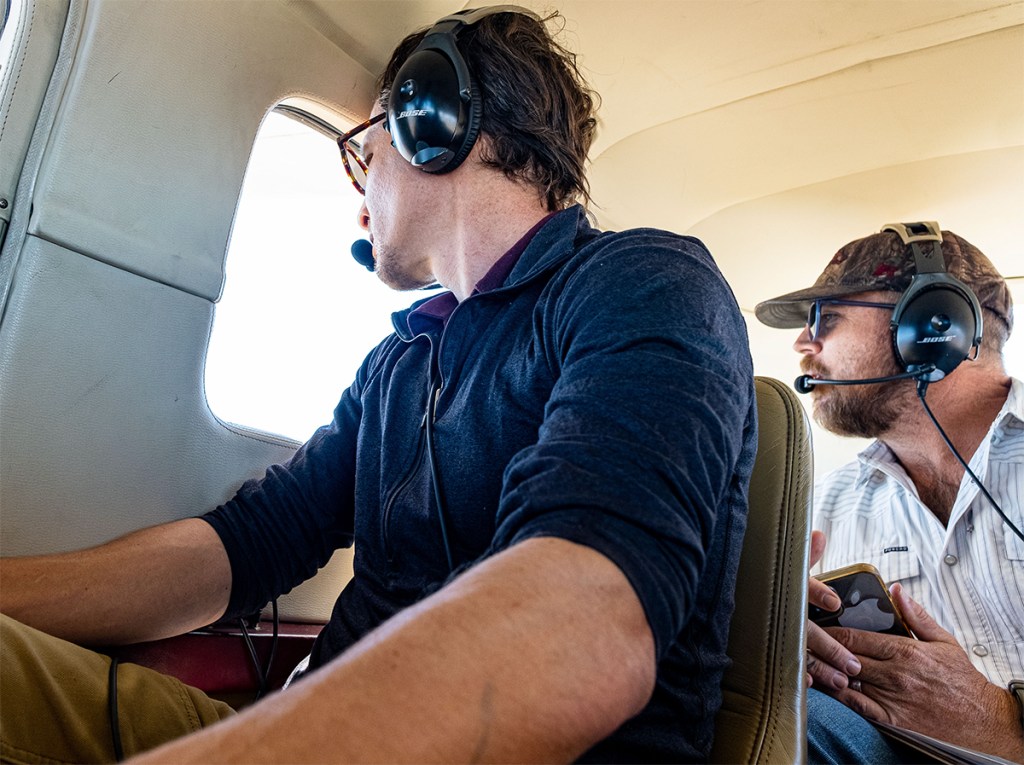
431, 125
434, 108
472, 128
935, 323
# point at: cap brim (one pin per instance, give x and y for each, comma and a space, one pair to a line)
789, 311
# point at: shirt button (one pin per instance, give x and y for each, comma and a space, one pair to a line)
980, 650
950, 560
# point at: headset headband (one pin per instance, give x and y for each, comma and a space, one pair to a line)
443, 35
923, 231
471, 16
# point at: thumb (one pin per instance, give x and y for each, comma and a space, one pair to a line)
920, 621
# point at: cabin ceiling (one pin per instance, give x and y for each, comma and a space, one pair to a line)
780, 129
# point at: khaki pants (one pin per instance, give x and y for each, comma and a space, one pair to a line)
54, 702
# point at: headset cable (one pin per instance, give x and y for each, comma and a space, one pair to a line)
922, 387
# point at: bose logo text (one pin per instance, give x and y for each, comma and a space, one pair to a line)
412, 113
947, 339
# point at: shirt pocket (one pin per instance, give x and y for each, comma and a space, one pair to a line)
900, 565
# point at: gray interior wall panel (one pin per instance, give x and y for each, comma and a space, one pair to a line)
98, 367
104, 427
147, 177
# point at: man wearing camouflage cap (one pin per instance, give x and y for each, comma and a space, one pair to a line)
905, 505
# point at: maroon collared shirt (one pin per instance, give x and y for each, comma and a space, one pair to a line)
439, 308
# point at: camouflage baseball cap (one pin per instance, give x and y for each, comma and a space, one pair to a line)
882, 262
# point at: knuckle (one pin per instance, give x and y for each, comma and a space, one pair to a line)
840, 634
818, 669
834, 652
904, 649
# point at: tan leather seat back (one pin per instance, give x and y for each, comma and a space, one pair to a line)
763, 715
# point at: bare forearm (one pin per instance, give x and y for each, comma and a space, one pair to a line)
149, 584
533, 656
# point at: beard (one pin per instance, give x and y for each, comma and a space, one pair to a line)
865, 411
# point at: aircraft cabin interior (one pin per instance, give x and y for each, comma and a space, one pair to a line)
178, 305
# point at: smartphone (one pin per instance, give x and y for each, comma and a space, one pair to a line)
866, 603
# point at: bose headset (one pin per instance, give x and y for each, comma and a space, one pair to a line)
435, 108
937, 321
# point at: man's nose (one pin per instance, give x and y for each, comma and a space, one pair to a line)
363, 217
805, 344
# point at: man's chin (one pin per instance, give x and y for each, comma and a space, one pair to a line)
819, 395
842, 421
399, 279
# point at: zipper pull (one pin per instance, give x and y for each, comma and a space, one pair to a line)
437, 397
431, 407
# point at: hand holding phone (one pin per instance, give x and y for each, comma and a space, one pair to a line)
866, 603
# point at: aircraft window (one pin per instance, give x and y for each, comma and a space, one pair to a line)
9, 13
297, 315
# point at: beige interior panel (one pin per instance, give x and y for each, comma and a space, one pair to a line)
820, 130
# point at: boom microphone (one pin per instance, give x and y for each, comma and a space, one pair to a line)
362, 251
806, 383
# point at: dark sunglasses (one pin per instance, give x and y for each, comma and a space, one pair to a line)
816, 324
352, 156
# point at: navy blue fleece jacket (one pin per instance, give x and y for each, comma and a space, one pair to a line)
603, 394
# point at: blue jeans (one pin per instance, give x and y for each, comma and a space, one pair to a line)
837, 735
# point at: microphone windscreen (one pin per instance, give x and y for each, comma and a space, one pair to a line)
362, 252
803, 384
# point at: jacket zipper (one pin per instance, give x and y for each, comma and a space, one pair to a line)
417, 462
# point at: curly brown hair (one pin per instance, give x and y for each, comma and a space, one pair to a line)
538, 110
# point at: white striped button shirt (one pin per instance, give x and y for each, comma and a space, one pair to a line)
970, 575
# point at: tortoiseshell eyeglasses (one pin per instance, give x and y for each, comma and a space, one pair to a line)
356, 164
